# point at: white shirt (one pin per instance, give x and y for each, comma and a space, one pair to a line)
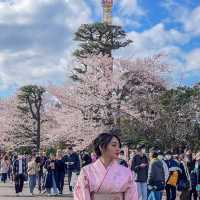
20, 167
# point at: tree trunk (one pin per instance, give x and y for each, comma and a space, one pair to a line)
118, 120
38, 133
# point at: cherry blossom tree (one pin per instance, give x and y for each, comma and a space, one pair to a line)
127, 87
18, 125
110, 90
130, 89
8, 108
67, 123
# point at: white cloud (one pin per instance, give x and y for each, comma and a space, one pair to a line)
30, 67
192, 22
96, 6
193, 60
11, 12
153, 40
159, 40
132, 7
36, 40
128, 13
184, 14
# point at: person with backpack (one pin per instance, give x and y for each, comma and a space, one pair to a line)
172, 181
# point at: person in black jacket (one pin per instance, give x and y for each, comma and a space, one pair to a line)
86, 158
195, 179
184, 179
59, 171
156, 177
41, 158
72, 163
122, 160
140, 167
50, 183
20, 173
190, 161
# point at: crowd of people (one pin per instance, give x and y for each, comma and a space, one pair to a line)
152, 174
47, 173
166, 171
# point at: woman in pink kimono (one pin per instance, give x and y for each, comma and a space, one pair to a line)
105, 179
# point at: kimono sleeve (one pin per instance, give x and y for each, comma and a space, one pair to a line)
82, 189
131, 192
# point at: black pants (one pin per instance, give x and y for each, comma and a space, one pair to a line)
185, 195
4, 177
40, 182
170, 192
69, 174
59, 178
19, 183
193, 193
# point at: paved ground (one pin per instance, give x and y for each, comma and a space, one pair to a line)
7, 192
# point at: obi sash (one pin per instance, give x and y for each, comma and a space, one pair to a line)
107, 196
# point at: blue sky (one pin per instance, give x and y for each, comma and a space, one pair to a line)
36, 37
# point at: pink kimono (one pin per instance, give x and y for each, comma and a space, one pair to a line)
96, 179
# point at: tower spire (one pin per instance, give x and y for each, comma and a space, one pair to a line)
107, 11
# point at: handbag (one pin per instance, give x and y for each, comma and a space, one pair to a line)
198, 188
198, 175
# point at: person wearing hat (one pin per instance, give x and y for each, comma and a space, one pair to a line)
140, 167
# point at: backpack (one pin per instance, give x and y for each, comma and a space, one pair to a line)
173, 178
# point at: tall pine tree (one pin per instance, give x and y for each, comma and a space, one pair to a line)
98, 38
30, 105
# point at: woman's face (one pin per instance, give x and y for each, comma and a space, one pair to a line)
59, 155
113, 149
52, 157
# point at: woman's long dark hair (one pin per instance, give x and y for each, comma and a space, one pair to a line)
102, 141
